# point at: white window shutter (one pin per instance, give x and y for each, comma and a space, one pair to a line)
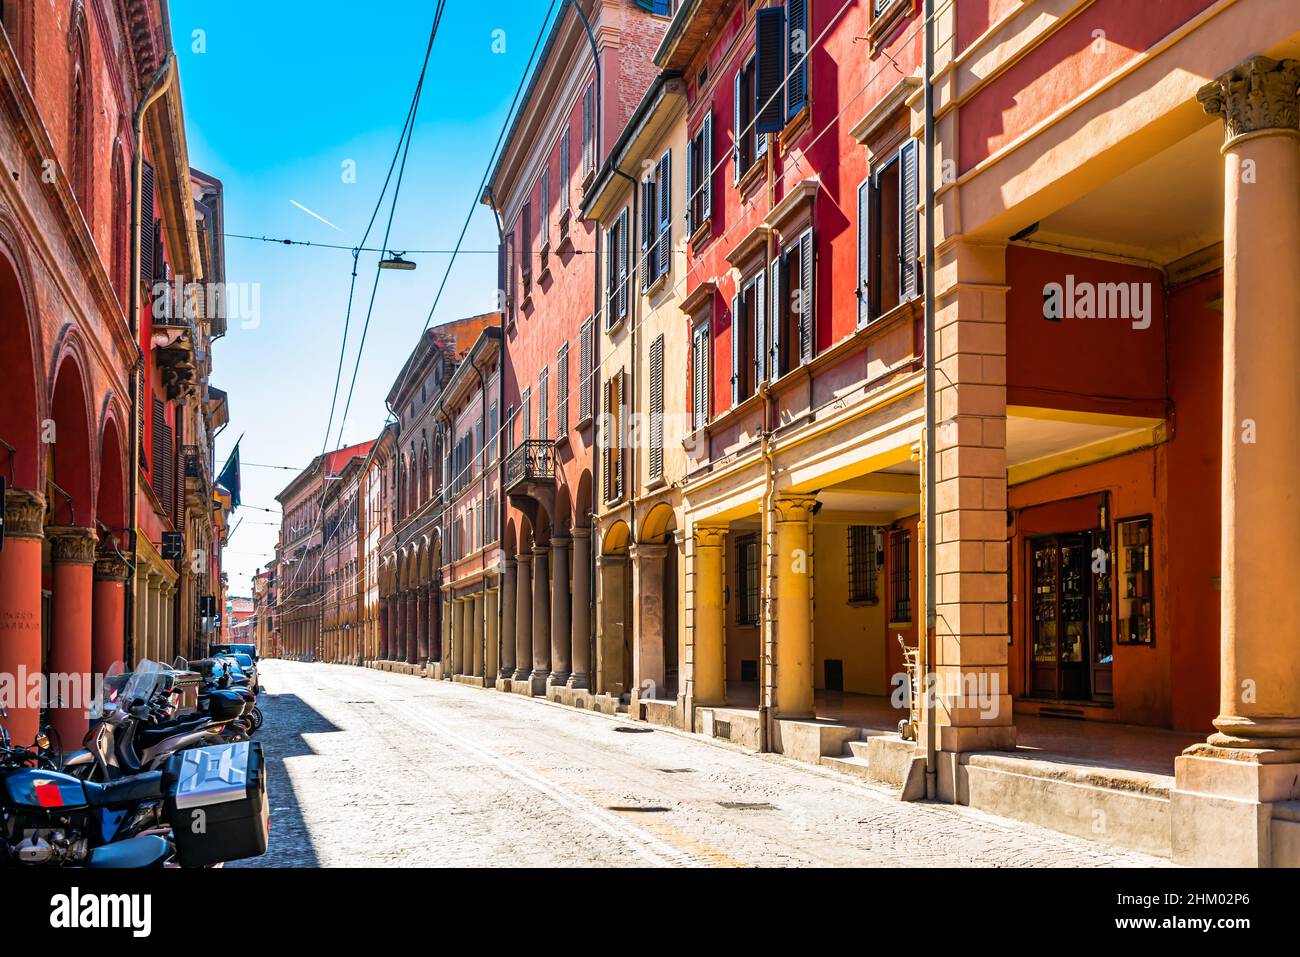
807, 297
908, 275
774, 369
622, 264
736, 333
690, 184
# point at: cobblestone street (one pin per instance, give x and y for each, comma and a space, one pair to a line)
375, 769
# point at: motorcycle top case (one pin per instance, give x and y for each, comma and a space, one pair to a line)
216, 803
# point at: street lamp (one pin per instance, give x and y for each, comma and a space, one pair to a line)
395, 261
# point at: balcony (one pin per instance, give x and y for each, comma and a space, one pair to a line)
532, 463
198, 477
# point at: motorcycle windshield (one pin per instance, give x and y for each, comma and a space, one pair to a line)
142, 684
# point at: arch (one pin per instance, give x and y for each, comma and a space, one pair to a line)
563, 517
615, 540
120, 226
23, 407
434, 539
510, 540
424, 551
110, 497
525, 534
658, 521
69, 458
582, 501
81, 113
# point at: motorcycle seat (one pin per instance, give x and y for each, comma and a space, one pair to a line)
137, 852
149, 735
128, 790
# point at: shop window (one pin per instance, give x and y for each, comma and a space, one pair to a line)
864, 564
1134, 606
747, 580
900, 575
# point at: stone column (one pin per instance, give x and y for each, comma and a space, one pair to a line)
20, 604
561, 632
448, 616
541, 620
73, 560
457, 636
412, 627
108, 612
970, 603
382, 652
433, 598
1222, 803
580, 618
422, 613
792, 613
708, 651
523, 614
475, 632
609, 625
492, 636
648, 607
508, 595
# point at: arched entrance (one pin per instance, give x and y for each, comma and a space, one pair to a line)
657, 627
109, 600
614, 611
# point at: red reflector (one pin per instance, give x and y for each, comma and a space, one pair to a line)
49, 795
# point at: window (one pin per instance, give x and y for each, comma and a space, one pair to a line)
525, 414
121, 228
700, 376
589, 131
770, 42
747, 580
585, 360
749, 144
656, 222
889, 263
900, 575
564, 170
796, 33
526, 250
543, 409
506, 271
657, 408
544, 214
699, 176
493, 428
562, 392
490, 517
792, 335
510, 429
616, 271
613, 440
864, 564
748, 313
80, 119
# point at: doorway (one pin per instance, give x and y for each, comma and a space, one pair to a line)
1070, 621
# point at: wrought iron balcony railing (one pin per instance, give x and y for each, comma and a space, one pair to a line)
531, 461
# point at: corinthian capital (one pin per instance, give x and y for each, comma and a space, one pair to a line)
24, 514
110, 567
1255, 96
72, 545
794, 508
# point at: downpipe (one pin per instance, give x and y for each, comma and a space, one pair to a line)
931, 749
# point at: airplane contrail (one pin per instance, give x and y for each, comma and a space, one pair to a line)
316, 215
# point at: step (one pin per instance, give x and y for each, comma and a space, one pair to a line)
1116, 806
858, 767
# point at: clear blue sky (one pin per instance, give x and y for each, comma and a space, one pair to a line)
281, 97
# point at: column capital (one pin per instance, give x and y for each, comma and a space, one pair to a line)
640, 551
580, 531
24, 514
523, 558
609, 561
560, 541
794, 508
541, 551
709, 536
1256, 96
72, 544
111, 567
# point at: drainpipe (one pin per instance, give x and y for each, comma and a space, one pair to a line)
501, 408
159, 85
769, 495
931, 751
482, 519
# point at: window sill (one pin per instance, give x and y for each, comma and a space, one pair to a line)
750, 177
565, 245
583, 423
562, 440
702, 232
884, 22
794, 128
655, 484
899, 624
656, 285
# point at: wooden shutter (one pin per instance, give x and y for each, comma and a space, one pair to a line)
544, 214
690, 185
736, 333
647, 230
584, 369
700, 372
588, 130
146, 222
797, 44
562, 392
760, 328
866, 194
156, 450
657, 407
735, 139
510, 275
775, 315
908, 274
807, 298
622, 264
620, 429
543, 404
665, 193
607, 449
706, 167
769, 58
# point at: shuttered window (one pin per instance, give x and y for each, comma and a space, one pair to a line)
585, 358
700, 376
565, 170
863, 291
544, 213
909, 268
656, 222
147, 241
699, 176
616, 271
526, 415
657, 408
889, 255
614, 431
562, 392
508, 288
589, 130
543, 410
769, 45
663, 250
796, 31
748, 144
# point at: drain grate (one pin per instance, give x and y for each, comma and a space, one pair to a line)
632, 730
747, 805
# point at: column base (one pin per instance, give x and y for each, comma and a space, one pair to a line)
506, 673
558, 679
578, 680
521, 674
1256, 734
537, 681
1229, 807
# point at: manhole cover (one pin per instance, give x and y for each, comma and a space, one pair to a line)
639, 808
747, 805
631, 730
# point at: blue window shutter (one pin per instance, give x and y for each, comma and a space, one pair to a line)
769, 43
760, 328
665, 195
796, 27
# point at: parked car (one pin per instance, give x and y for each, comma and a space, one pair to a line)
248, 664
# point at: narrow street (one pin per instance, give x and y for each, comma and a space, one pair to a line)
375, 769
